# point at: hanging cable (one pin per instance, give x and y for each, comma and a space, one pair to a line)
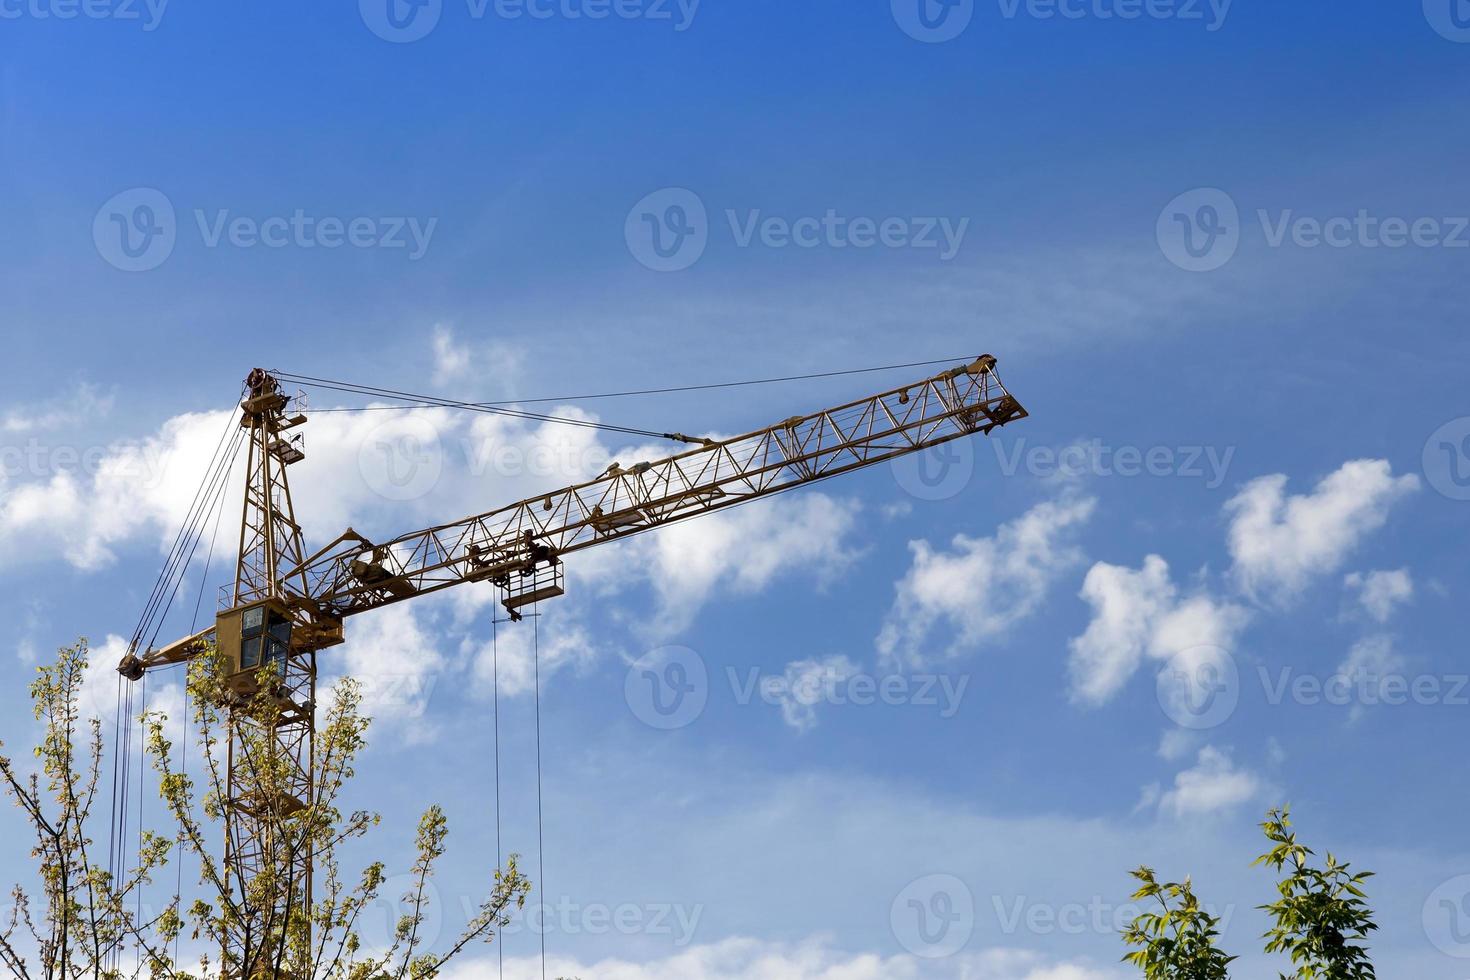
186, 528
216, 501
662, 391
142, 778
540, 833
495, 698
190, 531
432, 401
184, 750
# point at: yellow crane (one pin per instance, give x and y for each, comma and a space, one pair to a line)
286, 606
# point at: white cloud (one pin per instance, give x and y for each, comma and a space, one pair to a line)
1176, 743
736, 552
103, 692
510, 658
1380, 592
814, 959
451, 360
1369, 663
83, 405
1214, 784
1137, 614
806, 684
135, 488
983, 586
396, 659
1279, 543
383, 472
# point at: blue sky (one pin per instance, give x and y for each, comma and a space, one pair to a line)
1219, 250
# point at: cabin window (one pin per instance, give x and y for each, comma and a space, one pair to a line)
265, 639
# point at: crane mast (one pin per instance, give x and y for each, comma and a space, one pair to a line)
286, 607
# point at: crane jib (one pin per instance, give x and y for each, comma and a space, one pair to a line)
510, 546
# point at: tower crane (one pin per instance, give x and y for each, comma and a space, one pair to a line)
287, 606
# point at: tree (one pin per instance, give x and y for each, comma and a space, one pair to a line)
1322, 916
87, 922
1321, 919
1178, 942
86, 916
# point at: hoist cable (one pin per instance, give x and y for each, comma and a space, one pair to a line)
663, 391
540, 832
186, 527
215, 501
495, 697
142, 778
190, 530
184, 750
